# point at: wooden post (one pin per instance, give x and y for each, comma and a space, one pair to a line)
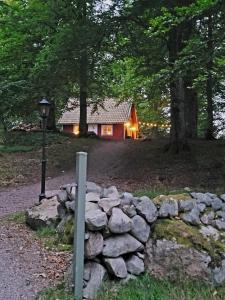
79, 224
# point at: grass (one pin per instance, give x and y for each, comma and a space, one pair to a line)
15, 148
51, 240
146, 288
20, 156
18, 218
153, 192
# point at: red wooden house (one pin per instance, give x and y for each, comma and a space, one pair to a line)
110, 121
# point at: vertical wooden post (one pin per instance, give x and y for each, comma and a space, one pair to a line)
79, 224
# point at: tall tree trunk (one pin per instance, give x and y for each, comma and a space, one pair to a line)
191, 108
51, 123
83, 72
209, 83
178, 137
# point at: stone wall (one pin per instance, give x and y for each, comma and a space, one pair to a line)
174, 236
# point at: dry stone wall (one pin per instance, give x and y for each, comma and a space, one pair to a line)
171, 235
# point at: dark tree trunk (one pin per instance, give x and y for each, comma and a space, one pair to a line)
209, 83
83, 72
178, 137
191, 109
83, 94
51, 123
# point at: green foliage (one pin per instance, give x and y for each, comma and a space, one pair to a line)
146, 288
52, 240
17, 217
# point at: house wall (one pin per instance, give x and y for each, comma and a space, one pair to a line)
68, 128
118, 132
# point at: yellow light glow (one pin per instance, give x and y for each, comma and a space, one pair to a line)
127, 124
133, 128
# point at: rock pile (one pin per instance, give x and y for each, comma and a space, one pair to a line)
170, 235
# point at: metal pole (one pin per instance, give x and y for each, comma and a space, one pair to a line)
79, 225
43, 162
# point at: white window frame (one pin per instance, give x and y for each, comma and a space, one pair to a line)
103, 130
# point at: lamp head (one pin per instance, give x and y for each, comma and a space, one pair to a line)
44, 108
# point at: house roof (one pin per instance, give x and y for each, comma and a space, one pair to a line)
109, 113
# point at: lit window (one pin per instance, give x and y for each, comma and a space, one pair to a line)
76, 129
106, 130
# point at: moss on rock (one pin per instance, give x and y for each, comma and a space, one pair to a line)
189, 236
161, 198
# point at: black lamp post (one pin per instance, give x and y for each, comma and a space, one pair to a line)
44, 112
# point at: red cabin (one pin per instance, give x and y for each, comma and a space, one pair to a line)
112, 120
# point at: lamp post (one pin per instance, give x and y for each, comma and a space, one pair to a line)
44, 112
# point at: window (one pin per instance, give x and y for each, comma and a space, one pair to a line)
76, 129
107, 130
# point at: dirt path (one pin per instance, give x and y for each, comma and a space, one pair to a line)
22, 259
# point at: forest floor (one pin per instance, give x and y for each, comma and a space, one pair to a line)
26, 266
128, 164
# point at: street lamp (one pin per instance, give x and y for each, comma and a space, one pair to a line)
44, 112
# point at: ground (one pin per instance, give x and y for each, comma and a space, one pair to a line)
138, 166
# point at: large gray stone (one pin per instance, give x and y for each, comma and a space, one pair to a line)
116, 267
92, 197
219, 274
62, 196
97, 275
70, 205
222, 197
129, 210
147, 209
126, 199
217, 204
140, 229
169, 208
95, 219
166, 258
219, 224
221, 214
208, 218
93, 187
44, 214
91, 206
119, 222
135, 265
121, 244
202, 198
193, 217
209, 232
186, 205
94, 245
111, 192
108, 203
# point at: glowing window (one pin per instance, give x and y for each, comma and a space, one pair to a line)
76, 129
107, 130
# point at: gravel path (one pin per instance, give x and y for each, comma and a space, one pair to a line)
22, 259
25, 267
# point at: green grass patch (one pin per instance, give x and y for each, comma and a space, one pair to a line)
146, 288
16, 148
51, 239
59, 293
155, 191
17, 217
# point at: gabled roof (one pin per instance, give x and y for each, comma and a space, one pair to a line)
109, 113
